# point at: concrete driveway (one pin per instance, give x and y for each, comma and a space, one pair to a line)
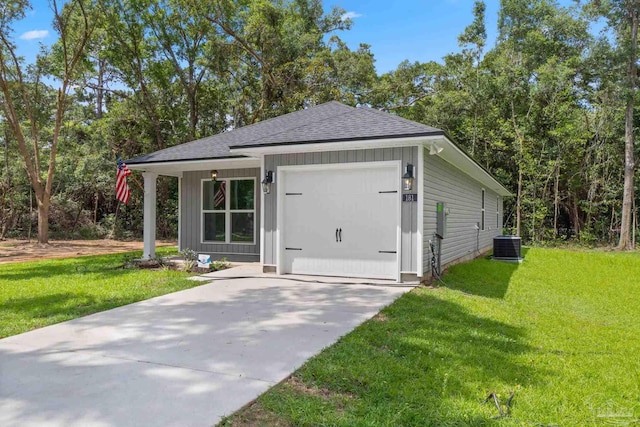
184, 359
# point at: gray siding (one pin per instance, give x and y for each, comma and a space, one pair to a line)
409, 210
463, 196
191, 221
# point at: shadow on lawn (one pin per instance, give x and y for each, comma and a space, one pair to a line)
107, 264
427, 362
484, 277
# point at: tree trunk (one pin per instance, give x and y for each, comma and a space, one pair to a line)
193, 113
628, 192
43, 222
556, 204
95, 209
635, 225
519, 202
576, 217
100, 89
115, 221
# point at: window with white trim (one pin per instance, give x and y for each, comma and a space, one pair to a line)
483, 212
498, 212
229, 210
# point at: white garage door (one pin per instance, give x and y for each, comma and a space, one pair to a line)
341, 222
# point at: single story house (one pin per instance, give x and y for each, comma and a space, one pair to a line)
329, 190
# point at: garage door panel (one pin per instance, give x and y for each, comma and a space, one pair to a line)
362, 203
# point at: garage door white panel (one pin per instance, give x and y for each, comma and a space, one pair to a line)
341, 222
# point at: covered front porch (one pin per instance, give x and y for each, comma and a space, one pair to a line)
219, 206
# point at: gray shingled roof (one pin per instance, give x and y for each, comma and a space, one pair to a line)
329, 122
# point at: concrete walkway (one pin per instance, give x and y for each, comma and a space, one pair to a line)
184, 359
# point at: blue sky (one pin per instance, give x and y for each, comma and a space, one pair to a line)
417, 30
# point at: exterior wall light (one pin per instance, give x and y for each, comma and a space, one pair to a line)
435, 149
266, 182
407, 178
214, 175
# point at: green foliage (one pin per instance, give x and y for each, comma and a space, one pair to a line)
542, 110
556, 330
190, 259
219, 264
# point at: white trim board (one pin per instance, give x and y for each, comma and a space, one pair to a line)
262, 208
420, 214
176, 168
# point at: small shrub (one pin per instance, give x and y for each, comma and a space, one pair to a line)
220, 264
189, 254
190, 259
91, 232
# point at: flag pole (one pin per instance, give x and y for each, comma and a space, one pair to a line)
137, 182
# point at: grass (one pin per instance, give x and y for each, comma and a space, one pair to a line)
41, 293
561, 331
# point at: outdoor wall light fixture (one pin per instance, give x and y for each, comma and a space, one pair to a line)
214, 175
407, 178
435, 149
266, 182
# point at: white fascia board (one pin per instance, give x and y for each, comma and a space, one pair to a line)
176, 168
335, 146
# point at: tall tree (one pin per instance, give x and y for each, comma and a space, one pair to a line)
623, 19
20, 87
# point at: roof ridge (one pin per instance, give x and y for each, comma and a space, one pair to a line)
285, 115
248, 127
400, 119
295, 127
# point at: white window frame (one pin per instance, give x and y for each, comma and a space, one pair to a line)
483, 216
228, 211
498, 212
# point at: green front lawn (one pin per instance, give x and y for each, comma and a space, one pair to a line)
36, 294
560, 331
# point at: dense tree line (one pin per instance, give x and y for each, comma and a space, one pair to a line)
549, 109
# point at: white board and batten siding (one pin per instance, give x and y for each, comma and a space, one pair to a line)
409, 210
462, 195
191, 218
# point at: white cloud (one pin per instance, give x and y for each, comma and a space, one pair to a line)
34, 34
350, 15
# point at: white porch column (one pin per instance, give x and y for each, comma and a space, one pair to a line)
149, 229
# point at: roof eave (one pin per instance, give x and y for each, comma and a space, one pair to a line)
178, 167
134, 161
340, 140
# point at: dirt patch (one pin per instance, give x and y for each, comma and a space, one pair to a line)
296, 384
254, 415
22, 250
380, 317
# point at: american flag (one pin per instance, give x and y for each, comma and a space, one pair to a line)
218, 199
122, 188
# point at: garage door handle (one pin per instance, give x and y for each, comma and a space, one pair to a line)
340, 234
336, 235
